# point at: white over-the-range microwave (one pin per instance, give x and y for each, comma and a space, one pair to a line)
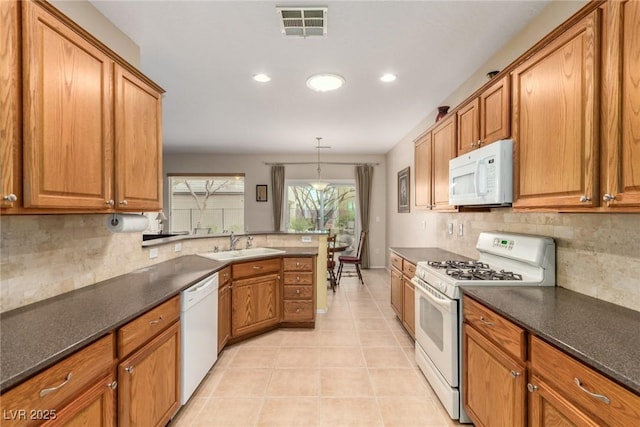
483, 177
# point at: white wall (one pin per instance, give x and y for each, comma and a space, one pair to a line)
89, 18
258, 215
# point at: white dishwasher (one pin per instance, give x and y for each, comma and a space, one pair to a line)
199, 330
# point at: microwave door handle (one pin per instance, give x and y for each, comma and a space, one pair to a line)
480, 165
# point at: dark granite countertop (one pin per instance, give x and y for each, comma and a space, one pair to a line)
38, 335
602, 335
427, 254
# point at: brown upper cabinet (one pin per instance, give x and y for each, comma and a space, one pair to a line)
486, 118
620, 181
433, 150
91, 124
555, 120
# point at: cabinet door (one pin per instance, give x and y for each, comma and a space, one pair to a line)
493, 383
10, 104
555, 121
547, 408
444, 149
621, 105
468, 126
254, 304
396, 292
224, 316
409, 306
138, 135
93, 408
422, 168
149, 382
495, 109
68, 121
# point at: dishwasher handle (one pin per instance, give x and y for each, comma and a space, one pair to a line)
198, 292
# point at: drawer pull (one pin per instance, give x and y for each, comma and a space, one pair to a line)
297, 278
297, 310
601, 397
257, 267
515, 374
298, 291
532, 388
485, 322
129, 369
156, 321
46, 391
113, 385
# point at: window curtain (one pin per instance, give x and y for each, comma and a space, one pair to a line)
364, 182
277, 188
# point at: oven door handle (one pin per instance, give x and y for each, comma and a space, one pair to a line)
442, 302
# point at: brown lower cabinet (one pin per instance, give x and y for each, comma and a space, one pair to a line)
506, 385
403, 292
149, 387
224, 307
79, 390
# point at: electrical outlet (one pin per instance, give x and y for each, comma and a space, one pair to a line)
450, 228
153, 253
460, 229
306, 239
177, 247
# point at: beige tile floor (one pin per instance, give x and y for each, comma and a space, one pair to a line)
356, 368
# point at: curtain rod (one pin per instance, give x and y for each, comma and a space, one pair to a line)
322, 163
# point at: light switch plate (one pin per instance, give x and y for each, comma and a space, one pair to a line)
450, 228
177, 247
306, 239
460, 229
153, 253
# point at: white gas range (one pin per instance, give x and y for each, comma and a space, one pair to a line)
506, 259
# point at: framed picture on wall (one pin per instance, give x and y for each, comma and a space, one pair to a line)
404, 193
261, 193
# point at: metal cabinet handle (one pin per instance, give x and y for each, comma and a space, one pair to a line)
129, 369
297, 264
532, 388
297, 310
156, 321
601, 397
608, 197
298, 291
10, 198
515, 374
46, 391
485, 321
257, 267
585, 199
123, 203
109, 203
113, 385
297, 278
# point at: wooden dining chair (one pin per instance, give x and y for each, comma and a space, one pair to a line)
331, 263
351, 259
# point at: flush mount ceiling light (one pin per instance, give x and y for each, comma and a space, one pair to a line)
388, 77
262, 78
325, 82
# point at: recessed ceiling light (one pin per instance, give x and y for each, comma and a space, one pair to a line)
388, 77
262, 78
325, 82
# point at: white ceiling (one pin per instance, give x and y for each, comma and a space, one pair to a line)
204, 54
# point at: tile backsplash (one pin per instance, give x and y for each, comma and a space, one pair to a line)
596, 254
42, 256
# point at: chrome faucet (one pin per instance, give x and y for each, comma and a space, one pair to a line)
234, 240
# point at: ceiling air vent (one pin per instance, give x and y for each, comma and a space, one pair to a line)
303, 21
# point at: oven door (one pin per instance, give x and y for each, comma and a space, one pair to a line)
437, 329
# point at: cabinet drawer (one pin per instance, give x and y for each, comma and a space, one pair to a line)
298, 292
504, 333
142, 329
396, 260
53, 388
298, 310
298, 264
253, 268
565, 372
224, 276
298, 278
408, 269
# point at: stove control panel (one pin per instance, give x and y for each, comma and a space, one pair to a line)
502, 243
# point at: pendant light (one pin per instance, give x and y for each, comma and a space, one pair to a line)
319, 185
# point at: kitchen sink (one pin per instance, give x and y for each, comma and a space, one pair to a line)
242, 253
